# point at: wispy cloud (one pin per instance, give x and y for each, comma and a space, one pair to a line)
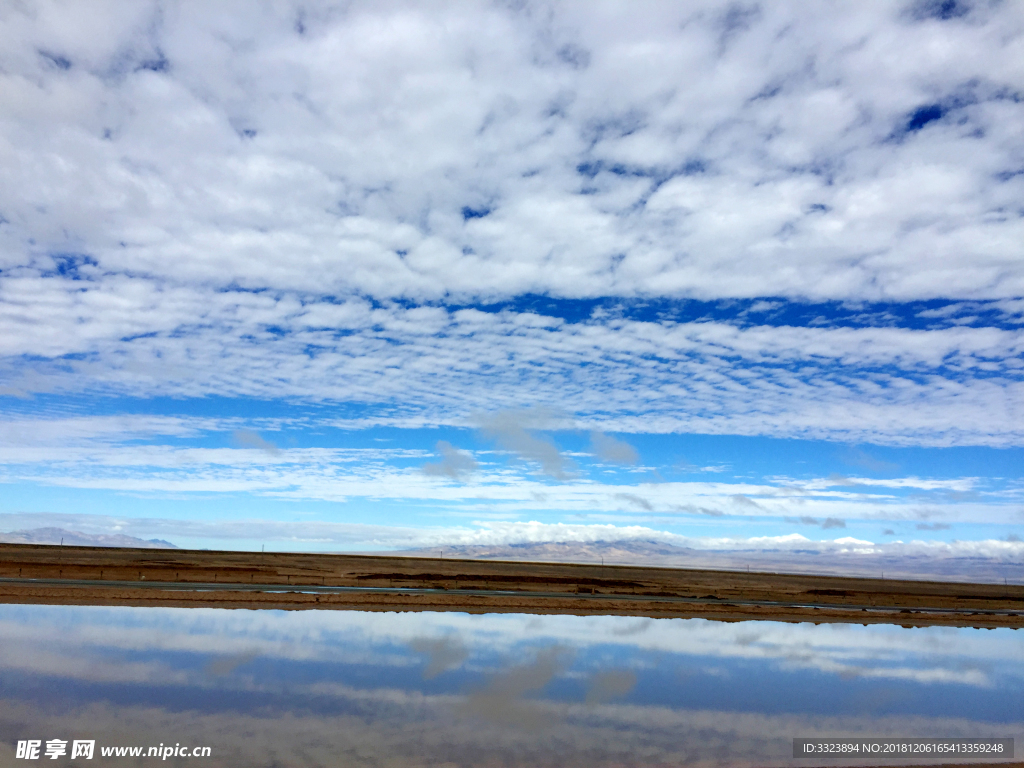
826, 524
634, 500
117, 462
859, 458
610, 684
509, 429
249, 439
503, 700
743, 501
828, 383
225, 665
443, 654
454, 464
609, 448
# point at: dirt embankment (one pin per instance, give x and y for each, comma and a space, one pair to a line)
147, 577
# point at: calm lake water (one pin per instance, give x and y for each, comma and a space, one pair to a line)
276, 688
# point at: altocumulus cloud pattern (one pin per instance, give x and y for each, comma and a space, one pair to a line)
570, 265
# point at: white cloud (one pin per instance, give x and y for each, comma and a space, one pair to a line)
193, 203
118, 454
940, 387
229, 149
353, 536
962, 484
63, 431
230, 203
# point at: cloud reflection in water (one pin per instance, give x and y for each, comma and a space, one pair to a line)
338, 688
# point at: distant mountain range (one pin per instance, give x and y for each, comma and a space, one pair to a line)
644, 552
810, 560
79, 539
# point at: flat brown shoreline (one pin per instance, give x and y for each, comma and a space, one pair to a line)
255, 580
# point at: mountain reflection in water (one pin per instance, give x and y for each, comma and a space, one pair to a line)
342, 688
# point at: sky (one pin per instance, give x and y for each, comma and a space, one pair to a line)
371, 276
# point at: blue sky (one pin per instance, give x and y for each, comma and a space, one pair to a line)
394, 275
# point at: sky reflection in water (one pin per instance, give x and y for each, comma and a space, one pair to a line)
339, 688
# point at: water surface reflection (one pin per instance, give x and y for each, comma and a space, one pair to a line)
337, 688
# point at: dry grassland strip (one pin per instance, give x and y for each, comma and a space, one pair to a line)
200, 578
